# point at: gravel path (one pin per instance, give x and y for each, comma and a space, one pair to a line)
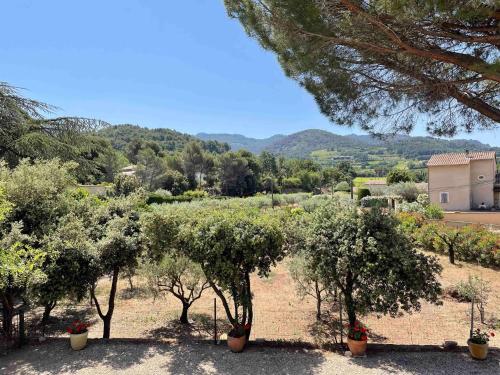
197, 359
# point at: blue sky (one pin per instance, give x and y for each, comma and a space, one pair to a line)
157, 63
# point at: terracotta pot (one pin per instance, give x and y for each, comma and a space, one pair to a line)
236, 344
478, 351
357, 348
79, 340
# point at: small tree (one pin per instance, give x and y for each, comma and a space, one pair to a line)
231, 245
125, 184
118, 245
396, 175
343, 186
70, 267
20, 271
372, 263
308, 281
178, 275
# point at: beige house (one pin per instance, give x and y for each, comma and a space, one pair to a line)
463, 181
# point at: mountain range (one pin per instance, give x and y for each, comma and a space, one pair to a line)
307, 143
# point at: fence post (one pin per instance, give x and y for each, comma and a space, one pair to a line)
341, 323
215, 321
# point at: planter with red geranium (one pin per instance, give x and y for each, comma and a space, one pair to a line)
478, 344
78, 335
357, 339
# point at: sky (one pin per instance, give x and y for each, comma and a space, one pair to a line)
183, 65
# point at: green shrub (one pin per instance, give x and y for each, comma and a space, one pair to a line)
154, 198
410, 221
343, 186
370, 202
407, 190
363, 192
434, 212
291, 183
195, 194
471, 243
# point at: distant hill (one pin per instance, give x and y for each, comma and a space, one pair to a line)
303, 143
238, 141
367, 153
121, 136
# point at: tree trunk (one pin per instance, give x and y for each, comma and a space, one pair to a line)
130, 284
184, 315
7, 314
318, 301
49, 306
451, 253
107, 326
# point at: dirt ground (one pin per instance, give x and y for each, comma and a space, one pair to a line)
281, 315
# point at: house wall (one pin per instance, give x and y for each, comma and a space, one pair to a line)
453, 179
482, 190
492, 218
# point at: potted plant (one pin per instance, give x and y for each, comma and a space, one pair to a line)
78, 334
478, 344
357, 339
236, 339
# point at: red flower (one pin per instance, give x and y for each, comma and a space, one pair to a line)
492, 334
69, 330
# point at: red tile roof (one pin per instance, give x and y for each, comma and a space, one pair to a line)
459, 158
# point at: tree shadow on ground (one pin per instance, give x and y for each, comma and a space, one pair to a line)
419, 362
326, 332
60, 319
138, 292
200, 328
142, 357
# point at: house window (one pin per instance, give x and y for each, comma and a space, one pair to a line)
443, 198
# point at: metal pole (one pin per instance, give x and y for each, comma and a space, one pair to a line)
341, 323
471, 318
215, 321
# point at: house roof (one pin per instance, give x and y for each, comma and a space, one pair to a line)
460, 158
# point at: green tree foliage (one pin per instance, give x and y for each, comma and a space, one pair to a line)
118, 244
26, 132
20, 271
386, 65
370, 261
37, 192
397, 175
239, 174
150, 167
174, 181
343, 186
230, 246
70, 266
407, 190
363, 192
470, 243
178, 275
125, 184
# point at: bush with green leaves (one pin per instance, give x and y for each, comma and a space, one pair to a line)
370, 260
230, 245
406, 190
21, 270
374, 202
475, 289
125, 184
118, 242
399, 174
363, 192
343, 186
470, 243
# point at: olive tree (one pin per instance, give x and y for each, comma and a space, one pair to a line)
178, 275
118, 244
373, 264
308, 281
230, 245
